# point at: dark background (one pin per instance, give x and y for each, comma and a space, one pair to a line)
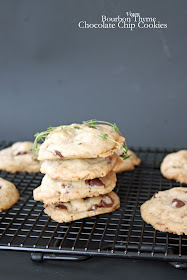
52, 72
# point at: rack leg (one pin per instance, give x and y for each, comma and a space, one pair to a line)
40, 257
178, 265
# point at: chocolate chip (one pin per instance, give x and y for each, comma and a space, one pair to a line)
107, 201
21, 153
61, 206
155, 195
94, 182
58, 154
95, 206
178, 203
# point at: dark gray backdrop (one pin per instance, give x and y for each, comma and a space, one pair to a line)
52, 72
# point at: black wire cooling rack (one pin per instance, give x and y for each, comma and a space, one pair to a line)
25, 227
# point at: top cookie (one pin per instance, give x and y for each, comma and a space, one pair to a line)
19, 158
174, 166
9, 195
127, 164
80, 143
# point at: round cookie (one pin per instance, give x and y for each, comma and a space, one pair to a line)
127, 164
52, 191
167, 211
19, 158
80, 143
9, 195
174, 166
82, 208
78, 169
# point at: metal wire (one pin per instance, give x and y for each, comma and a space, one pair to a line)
119, 234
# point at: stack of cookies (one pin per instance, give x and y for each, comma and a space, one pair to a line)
79, 179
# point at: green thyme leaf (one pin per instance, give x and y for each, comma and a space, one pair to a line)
36, 135
104, 136
50, 127
115, 128
65, 127
124, 156
125, 148
92, 123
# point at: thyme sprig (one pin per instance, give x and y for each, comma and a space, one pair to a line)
40, 136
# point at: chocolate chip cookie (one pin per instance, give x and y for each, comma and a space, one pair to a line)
52, 191
174, 166
80, 143
82, 208
19, 158
167, 211
9, 195
127, 164
78, 169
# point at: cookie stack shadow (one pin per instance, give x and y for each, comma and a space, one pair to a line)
76, 186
